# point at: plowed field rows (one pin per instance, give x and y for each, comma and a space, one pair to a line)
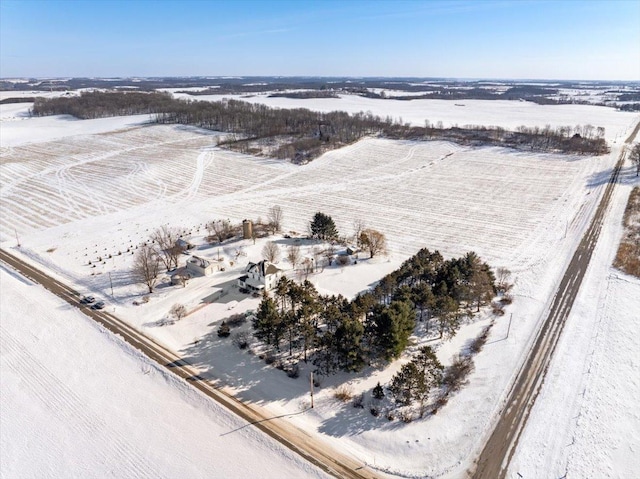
430, 194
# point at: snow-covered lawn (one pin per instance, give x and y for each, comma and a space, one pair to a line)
77, 402
93, 197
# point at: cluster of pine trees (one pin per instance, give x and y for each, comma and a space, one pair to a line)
301, 134
337, 334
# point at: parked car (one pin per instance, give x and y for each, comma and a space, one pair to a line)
98, 305
88, 300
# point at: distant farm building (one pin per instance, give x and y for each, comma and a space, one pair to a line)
351, 250
181, 277
197, 266
185, 245
260, 276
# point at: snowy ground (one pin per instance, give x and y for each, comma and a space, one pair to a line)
84, 197
503, 113
77, 402
586, 422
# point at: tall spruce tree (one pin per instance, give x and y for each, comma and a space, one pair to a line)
267, 323
323, 227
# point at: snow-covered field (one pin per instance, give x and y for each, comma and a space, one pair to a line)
503, 113
87, 196
586, 422
77, 402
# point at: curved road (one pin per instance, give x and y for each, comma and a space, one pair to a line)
327, 459
493, 462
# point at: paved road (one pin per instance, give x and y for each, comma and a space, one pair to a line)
295, 439
494, 459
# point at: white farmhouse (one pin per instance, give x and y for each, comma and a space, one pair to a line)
260, 276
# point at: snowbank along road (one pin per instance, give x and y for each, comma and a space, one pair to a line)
494, 459
318, 454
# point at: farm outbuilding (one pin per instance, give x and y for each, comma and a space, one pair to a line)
180, 277
198, 266
185, 244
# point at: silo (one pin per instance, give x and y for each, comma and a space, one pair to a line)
247, 229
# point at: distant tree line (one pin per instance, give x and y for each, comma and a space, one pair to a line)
303, 134
305, 94
337, 334
99, 104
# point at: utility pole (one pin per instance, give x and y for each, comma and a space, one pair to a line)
17, 239
111, 283
509, 327
311, 386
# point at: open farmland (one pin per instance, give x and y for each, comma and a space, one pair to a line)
82, 197
426, 194
53, 183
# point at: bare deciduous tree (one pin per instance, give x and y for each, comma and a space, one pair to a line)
221, 229
358, 227
178, 311
374, 241
293, 255
330, 253
503, 275
271, 252
275, 218
146, 267
635, 157
166, 248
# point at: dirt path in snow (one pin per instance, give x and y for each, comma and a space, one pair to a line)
314, 451
494, 460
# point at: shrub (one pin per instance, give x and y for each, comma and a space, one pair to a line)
478, 343
375, 412
497, 308
178, 311
378, 391
506, 299
456, 374
224, 330
236, 320
343, 393
294, 371
343, 260
358, 401
391, 416
406, 415
241, 339
440, 402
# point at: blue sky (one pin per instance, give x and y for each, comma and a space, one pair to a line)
573, 39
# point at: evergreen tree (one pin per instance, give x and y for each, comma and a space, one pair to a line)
429, 375
325, 357
423, 297
323, 227
267, 323
307, 315
378, 391
390, 328
448, 318
416, 379
224, 330
348, 339
403, 384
